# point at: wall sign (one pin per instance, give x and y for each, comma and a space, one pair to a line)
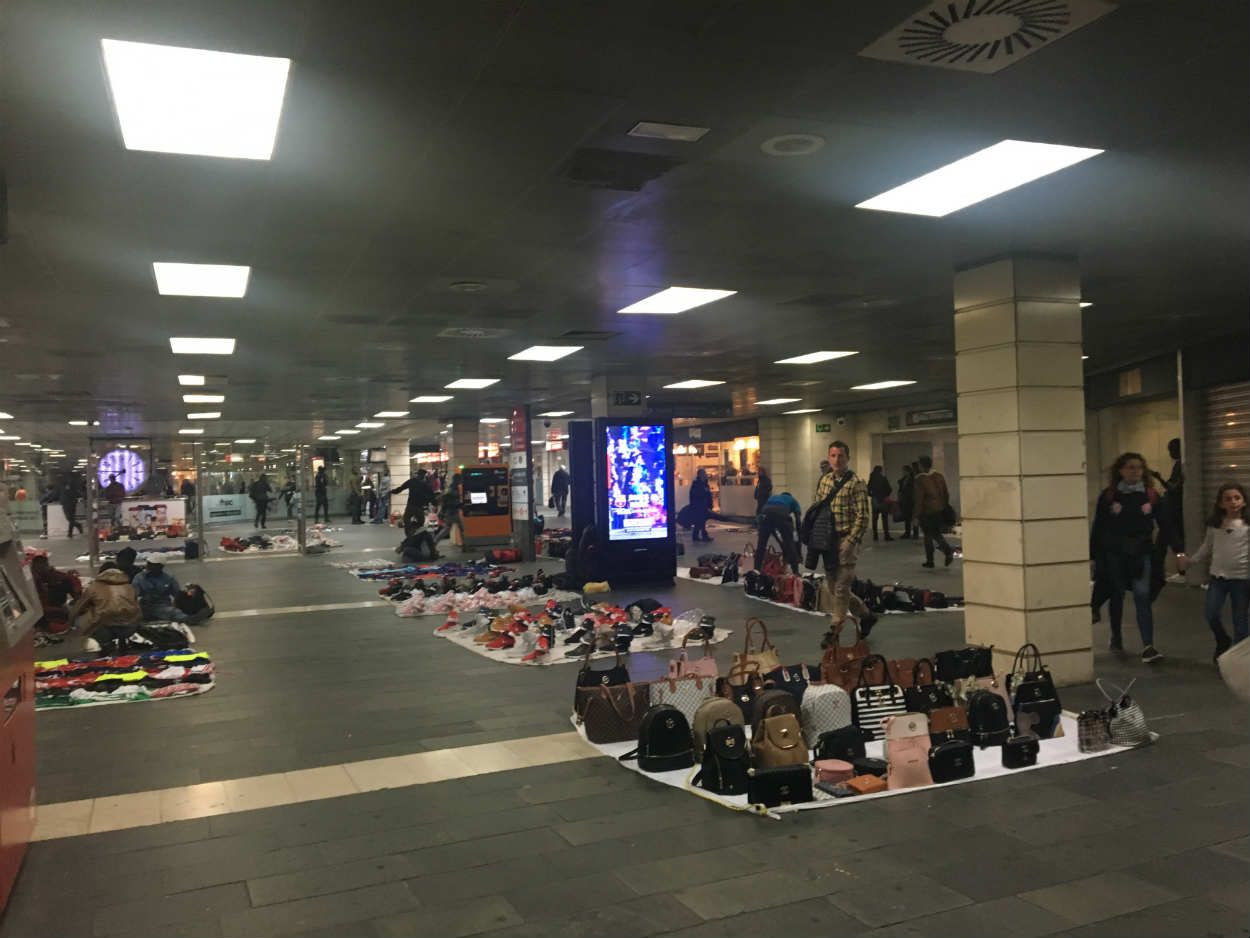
626, 398
934, 415
824, 428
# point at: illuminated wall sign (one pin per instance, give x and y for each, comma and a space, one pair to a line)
127, 465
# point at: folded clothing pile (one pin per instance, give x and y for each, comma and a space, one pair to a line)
66, 682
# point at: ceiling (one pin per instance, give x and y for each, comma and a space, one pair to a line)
423, 146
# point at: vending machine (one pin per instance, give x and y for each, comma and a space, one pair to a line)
19, 611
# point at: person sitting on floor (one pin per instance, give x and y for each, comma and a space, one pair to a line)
55, 588
127, 562
157, 592
418, 546
108, 612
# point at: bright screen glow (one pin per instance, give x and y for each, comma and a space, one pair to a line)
126, 464
637, 487
477, 498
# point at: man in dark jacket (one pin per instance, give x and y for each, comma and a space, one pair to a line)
259, 493
420, 497
560, 490
763, 491
71, 492
879, 490
114, 492
321, 498
157, 591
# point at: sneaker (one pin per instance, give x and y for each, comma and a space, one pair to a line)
928, 563
950, 556
1150, 655
1117, 643
91, 645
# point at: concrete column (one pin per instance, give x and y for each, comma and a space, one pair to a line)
1021, 394
462, 444
398, 462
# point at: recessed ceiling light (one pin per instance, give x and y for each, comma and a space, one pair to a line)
328, 436
494, 420
811, 358
203, 398
224, 280
9, 438
79, 423
205, 415
35, 445
191, 381
778, 400
544, 353
346, 432
1084, 358
430, 399
986, 173
191, 431
391, 413
657, 130
171, 99
555, 413
246, 440
471, 384
1086, 305
184, 346
692, 384
881, 385
676, 300
369, 425
804, 410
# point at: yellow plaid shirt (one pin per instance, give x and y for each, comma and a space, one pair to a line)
849, 507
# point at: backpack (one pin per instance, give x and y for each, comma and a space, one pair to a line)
759, 584
664, 741
713, 713
725, 761
987, 718
193, 599
730, 575
771, 703
825, 708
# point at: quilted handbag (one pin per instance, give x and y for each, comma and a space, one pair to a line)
823, 709
1034, 700
762, 658
925, 695
840, 664
907, 751
1126, 721
779, 742
1092, 732
686, 693
875, 698
793, 678
612, 714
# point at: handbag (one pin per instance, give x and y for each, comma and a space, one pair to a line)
840, 662
823, 709
972, 661
906, 726
833, 771
771, 703
773, 565
686, 693
779, 742
725, 761
612, 676
866, 784
664, 742
872, 703
869, 765
701, 667
926, 696
1126, 721
811, 516
846, 744
787, 784
1020, 752
763, 658
951, 761
1092, 732
713, 714
907, 751
793, 678
903, 671
1034, 700
741, 686
611, 714
946, 723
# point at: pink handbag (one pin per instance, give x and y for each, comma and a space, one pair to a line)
682, 666
833, 771
907, 751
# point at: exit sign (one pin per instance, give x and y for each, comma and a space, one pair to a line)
627, 398
824, 428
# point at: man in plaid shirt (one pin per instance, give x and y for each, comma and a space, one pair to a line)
837, 533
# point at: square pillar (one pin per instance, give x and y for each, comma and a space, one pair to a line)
1020, 387
462, 444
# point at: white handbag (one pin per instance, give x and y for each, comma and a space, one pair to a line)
825, 708
905, 726
684, 693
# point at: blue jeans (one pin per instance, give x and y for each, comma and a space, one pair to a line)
1118, 577
1239, 592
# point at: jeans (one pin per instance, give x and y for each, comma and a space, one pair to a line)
161, 612
322, 503
931, 525
1238, 591
781, 524
262, 513
1118, 575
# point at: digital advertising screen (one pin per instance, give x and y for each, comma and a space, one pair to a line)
636, 482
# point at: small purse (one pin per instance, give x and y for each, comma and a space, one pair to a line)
972, 661
612, 676
866, 784
846, 744
1020, 752
947, 723
742, 686
833, 771
951, 761
925, 696
867, 765
682, 666
1092, 732
788, 784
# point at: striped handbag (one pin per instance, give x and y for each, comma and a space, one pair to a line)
875, 698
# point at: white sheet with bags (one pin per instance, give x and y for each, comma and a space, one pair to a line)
988, 762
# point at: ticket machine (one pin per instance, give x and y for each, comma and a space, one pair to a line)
485, 505
19, 611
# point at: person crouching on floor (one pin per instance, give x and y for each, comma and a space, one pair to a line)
109, 612
157, 591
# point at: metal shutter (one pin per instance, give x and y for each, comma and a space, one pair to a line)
1225, 438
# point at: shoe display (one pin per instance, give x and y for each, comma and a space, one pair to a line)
645, 627
576, 637
453, 620
501, 641
1150, 655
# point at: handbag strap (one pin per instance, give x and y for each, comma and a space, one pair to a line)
1028, 658
765, 642
1121, 692
915, 671
837, 634
633, 701
685, 640
746, 670
863, 667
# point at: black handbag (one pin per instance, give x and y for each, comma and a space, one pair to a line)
742, 694
951, 761
793, 679
786, 784
972, 661
725, 761
867, 765
1020, 752
924, 698
664, 741
1034, 700
846, 744
606, 677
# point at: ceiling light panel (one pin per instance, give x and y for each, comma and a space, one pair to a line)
205, 415
804, 410
493, 420
188, 346
545, 353
1086, 305
778, 400
79, 423
881, 385
369, 425
170, 99
471, 384
328, 436
676, 300
222, 280
1004, 166
692, 384
191, 381
556, 413
657, 130
4, 416
246, 440
203, 398
191, 431
346, 432
391, 413
430, 399
812, 358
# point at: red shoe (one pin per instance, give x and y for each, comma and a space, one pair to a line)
535, 654
453, 620
501, 641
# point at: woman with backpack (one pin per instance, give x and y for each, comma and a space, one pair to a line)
1121, 542
1226, 549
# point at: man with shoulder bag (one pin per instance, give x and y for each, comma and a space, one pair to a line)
833, 529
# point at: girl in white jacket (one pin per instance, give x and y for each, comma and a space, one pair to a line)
1226, 549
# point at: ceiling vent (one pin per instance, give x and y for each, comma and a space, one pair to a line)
983, 35
472, 332
615, 169
589, 335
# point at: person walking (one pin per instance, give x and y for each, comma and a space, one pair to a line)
839, 522
933, 502
71, 492
259, 494
321, 498
907, 502
420, 497
355, 500
1121, 543
560, 490
700, 506
187, 490
780, 515
763, 492
879, 490
114, 492
1226, 549
449, 513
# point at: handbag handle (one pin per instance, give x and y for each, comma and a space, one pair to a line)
1121, 692
685, 640
837, 635
746, 670
590, 651
915, 671
633, 701
765, 643
863, 667
1028, 658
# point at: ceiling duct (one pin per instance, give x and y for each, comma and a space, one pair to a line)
983, 35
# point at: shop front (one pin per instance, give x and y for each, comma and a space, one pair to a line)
729, 452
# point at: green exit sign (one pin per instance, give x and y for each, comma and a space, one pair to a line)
824, 428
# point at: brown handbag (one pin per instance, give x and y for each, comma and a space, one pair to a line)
612, 714
948, 723
779, 742
840, 664
903, 672
762, 659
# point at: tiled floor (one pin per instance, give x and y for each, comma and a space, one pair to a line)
266, 807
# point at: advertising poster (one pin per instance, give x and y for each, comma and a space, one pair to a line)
637, 469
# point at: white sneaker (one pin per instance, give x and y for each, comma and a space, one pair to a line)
91, 645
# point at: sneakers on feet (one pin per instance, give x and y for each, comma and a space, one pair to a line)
927, 563
1150, 655
1117, 643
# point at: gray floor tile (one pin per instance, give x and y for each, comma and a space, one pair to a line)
811, 918
338, 909
1009, 917
635, 918
473, 918
286, 887
195, 912
665, 814
544, 898
761, 890
1194, 872
1239, 848
1106, 895
1186, 918
672, 873
884, 902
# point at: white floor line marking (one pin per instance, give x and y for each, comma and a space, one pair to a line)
280, 610
210, 799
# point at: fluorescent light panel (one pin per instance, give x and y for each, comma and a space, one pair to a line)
391, 413
170, 99
804, 410
4, 416
203, 398
369, 425
191, 431
811, 358
188, 346
982, 175
79, 423
545, 353
328, 436
205, 415
778, 400
471, 384
555, 413
658, 130
881, 385
246, 440
430, 399
346, 432
493, 420
191, 381
692, 384
1086, 305
676, 300
7, 438
222, 280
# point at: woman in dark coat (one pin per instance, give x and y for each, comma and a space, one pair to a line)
907, 500
700, 506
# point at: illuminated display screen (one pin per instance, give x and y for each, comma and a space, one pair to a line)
126, 464
637, 491
477, 498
